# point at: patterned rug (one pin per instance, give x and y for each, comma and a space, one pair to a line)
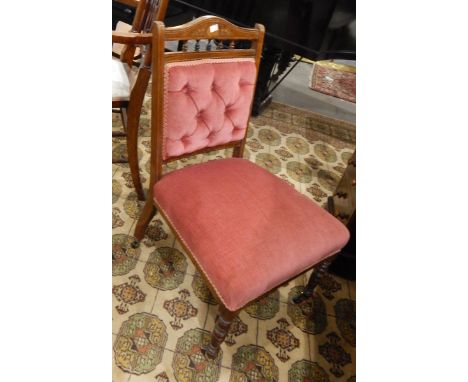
162, 312
334, 79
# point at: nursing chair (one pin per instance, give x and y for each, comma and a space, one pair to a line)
245, 229
129, 86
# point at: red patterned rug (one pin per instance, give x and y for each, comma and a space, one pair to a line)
335, 80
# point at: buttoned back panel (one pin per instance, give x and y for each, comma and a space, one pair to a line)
206, 103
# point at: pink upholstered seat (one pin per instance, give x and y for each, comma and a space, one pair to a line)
248, 230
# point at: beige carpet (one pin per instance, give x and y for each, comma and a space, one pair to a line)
162, 311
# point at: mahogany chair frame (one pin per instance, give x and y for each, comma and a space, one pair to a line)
130, 110
199, 29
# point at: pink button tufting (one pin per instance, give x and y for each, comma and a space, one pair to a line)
205, 103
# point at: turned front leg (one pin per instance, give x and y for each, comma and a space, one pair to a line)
314, 280
222, 325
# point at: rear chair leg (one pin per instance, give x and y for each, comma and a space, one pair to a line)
314, 280
223, 322
149, 210
132, 150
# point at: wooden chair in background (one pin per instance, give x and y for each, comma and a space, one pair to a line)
245, 229
126, 52
129, 86
146, 11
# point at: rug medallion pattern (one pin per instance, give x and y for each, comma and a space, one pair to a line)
128, 294
140, 343
253, 363
345, 312
165, 268
335, 354
310, 315
190, 363
124, 258
162, 310
264, 308
304, 370
180, 308
202, 291
283, 339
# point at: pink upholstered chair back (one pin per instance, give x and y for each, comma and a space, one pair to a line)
203, 92
206, 103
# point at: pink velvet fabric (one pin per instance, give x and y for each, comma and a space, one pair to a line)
207, 103
247, 229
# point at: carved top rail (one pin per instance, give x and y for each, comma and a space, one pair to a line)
211, 28
210, 36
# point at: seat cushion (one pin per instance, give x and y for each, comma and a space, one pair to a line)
248, 230
120, 81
